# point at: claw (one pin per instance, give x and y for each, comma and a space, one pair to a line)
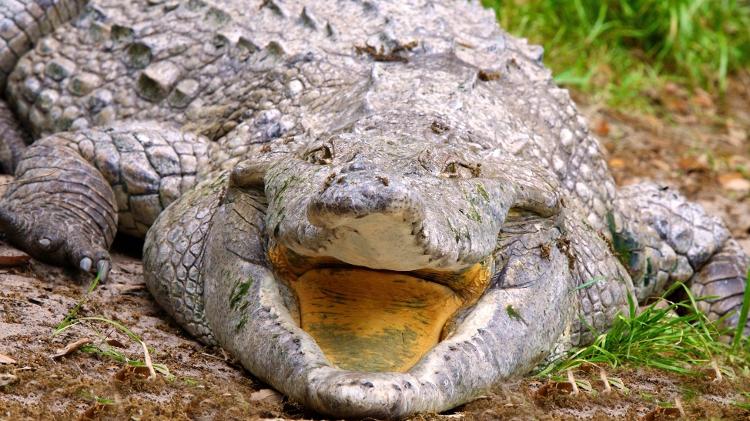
86, 264
102, 268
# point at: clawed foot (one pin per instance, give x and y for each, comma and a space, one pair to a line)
52, 239
60, 209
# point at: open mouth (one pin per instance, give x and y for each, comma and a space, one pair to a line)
376, 320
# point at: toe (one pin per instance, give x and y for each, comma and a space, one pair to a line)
85, 264
102, 269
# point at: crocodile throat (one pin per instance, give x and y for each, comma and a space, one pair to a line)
372, 320
367, 320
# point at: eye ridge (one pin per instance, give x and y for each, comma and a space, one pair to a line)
321, 155
460, 169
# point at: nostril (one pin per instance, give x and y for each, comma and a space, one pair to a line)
358, 164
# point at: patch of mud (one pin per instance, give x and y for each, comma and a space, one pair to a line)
35, 298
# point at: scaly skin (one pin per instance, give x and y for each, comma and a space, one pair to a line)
263, 138
13, 140
23, 23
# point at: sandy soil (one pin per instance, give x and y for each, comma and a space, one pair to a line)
696, 145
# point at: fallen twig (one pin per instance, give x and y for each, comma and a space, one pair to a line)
678, 405
71, 348
605, 380
715, 366
147, 361
572, 381
4, 359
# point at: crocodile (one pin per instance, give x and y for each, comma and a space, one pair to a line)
379, 208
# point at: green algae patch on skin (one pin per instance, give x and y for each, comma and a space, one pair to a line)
239, 291
377, 321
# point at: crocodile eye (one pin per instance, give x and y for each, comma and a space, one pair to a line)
456, 169
321, 155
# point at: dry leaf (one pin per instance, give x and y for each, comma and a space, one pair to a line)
10, 256
7, 378
616, 163
552, 388
588, 368
676, 105
115, 343
661, 165
601, 127
734, 181
93, 412
4, 359
673, 89
653, 123
131, 372
71, 348
693, 164
266, 395
661, 414
702, 99
736, 136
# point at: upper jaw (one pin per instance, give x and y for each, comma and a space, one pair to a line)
406, 225
418, 235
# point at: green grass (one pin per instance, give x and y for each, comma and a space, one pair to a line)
746, 404
73, 312
619, 49
100, 348
677, 338
742, 321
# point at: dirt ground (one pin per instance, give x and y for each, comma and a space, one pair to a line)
698, 144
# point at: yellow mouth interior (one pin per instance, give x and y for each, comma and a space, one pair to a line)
375, 320
368, 320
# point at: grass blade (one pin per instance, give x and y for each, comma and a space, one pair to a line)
738, 334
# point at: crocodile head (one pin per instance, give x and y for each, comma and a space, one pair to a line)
378, 261
383, 242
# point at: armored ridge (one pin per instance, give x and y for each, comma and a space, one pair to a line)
379, 208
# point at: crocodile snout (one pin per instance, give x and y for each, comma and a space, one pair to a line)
371, 222
355, 194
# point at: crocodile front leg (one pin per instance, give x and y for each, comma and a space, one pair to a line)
663, 238
174, 256
72, 188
